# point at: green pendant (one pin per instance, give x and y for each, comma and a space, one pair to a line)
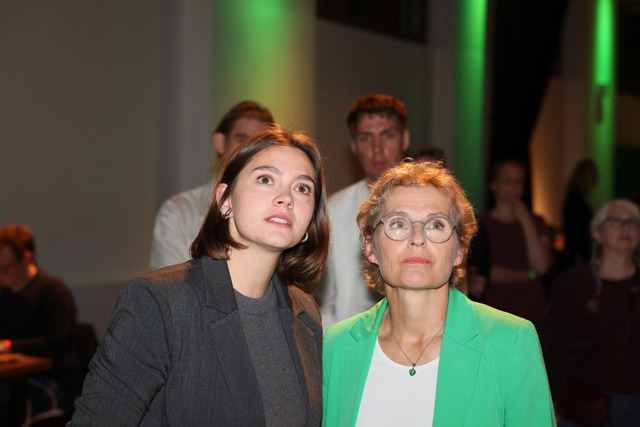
412, 372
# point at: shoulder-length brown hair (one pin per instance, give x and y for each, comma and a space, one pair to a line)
303, 264
417, 174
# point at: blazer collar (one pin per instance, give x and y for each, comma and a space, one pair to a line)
230, 343
357, 357
219, 293
460, 358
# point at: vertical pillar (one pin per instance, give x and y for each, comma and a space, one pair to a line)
469, 98
602, 94
185, 68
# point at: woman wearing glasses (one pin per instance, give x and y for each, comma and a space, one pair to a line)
427, 355
592, 339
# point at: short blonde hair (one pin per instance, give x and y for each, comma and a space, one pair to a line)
417, 174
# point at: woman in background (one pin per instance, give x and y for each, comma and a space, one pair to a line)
520, 247
228, 338
577, 212
426, 355
592, 336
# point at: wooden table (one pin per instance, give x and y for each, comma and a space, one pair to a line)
14, 369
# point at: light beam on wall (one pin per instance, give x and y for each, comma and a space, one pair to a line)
264, 50
602, 97
469, 103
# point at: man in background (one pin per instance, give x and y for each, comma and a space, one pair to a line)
179, 218
37, 317
379, 138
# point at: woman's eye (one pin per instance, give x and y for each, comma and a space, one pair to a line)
304, 188
437, 224
399, 224
264, 179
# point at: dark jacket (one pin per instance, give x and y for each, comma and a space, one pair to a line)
175, 353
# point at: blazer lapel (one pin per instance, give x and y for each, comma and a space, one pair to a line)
303, 347
229, 342
459, 365
356, 360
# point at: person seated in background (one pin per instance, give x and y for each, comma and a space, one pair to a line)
591, 339
577, 211
520, 247
37, 316
427, 355
179, 218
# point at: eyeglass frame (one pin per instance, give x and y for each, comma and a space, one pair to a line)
619, 223
425, 233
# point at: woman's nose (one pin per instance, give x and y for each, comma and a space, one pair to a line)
284, 198
417, 236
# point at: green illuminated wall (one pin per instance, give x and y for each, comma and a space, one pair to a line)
602, 97
264, 50
469, 99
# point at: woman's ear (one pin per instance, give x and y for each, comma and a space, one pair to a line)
595, 235
369, 250
458, 256
220, 192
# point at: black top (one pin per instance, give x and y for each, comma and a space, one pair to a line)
590, 341
576, 218
40, 320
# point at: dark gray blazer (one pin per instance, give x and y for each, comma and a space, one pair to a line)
175, 353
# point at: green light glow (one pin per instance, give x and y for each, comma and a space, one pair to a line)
602, 97
469, 114
259, 50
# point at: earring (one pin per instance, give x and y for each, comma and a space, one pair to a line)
226, 214
305, 238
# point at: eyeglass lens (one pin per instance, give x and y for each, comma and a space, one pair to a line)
398, 227
618, 222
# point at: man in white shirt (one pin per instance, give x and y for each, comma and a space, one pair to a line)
379, 139
179, 218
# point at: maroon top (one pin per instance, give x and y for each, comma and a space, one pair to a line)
524, 298
587, 343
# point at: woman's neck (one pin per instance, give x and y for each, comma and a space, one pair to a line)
615, 267
251, 273
418, 313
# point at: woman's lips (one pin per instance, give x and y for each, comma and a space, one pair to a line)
279, 219
416, 260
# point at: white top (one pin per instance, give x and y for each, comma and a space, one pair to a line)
392, 397
343, 292
178, 222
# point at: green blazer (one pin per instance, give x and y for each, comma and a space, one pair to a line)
491, 371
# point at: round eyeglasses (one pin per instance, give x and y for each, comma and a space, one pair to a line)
617, 222
397, 226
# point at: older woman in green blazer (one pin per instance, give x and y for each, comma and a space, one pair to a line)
427, 355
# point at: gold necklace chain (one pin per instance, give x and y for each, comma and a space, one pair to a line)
412, 371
